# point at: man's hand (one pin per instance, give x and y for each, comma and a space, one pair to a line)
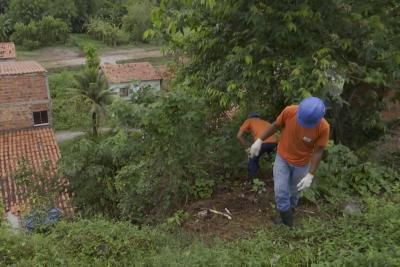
248, 152
305, 182
255, 148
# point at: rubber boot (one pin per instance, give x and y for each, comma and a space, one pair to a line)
287, 217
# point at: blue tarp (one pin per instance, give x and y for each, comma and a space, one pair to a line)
35, 220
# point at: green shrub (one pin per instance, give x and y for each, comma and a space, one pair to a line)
52, 30
47, 31
106, 32
342, 175
68, 113
147, 173
5, 27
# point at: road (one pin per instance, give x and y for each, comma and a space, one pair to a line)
58, 57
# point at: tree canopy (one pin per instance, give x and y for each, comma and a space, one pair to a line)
267, 54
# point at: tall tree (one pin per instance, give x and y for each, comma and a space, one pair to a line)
92, 86
269, 54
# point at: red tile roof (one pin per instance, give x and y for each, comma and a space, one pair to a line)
7, 51
36, 146
20, 67
120, 73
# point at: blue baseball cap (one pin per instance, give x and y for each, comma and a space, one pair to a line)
311, 111
254, 115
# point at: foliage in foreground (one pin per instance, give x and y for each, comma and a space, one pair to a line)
371, 238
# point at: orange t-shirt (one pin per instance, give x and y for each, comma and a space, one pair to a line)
297, 143
257, 126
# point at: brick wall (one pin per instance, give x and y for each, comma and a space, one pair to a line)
20, 95
20, 88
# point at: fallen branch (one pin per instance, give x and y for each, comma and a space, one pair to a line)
221, 213
227, 211
307, 211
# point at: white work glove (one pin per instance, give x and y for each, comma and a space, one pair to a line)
255, 148
305, 182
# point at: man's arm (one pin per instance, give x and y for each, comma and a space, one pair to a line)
316, 159
270, 131
242, 140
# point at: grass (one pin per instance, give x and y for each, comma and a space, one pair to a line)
371, 238
24, 54
77, 43
80, 41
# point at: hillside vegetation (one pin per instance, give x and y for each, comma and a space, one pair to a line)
135, 186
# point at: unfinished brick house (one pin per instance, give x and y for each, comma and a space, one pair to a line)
7, 52
25, 130
24, 96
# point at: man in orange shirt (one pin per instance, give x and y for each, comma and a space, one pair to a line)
256, 126
304, 135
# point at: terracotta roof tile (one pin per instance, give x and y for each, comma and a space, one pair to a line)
7, 51
120, 73
20, 67
36, 146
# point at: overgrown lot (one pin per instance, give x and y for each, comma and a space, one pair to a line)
139, 188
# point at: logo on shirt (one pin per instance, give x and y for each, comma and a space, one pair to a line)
307, 139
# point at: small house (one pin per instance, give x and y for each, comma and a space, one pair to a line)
124, 79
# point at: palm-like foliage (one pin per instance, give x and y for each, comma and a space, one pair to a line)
92, 86
5, 28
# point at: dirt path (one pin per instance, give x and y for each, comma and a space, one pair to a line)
62, 136
57, 57
67, 135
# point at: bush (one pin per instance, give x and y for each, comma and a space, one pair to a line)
52, 30
106, 32
342, 175
144, 175
39, 33
5, 27
68, 113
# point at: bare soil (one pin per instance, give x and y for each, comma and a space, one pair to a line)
249, 211
56, 57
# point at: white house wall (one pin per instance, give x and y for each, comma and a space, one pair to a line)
154, 84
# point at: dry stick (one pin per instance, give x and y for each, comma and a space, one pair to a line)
221, 213
227, 211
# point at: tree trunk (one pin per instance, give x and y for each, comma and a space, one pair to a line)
94, 123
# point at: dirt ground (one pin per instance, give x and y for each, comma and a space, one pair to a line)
56, 57
249, 212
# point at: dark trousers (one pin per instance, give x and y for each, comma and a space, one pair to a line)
254, 163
